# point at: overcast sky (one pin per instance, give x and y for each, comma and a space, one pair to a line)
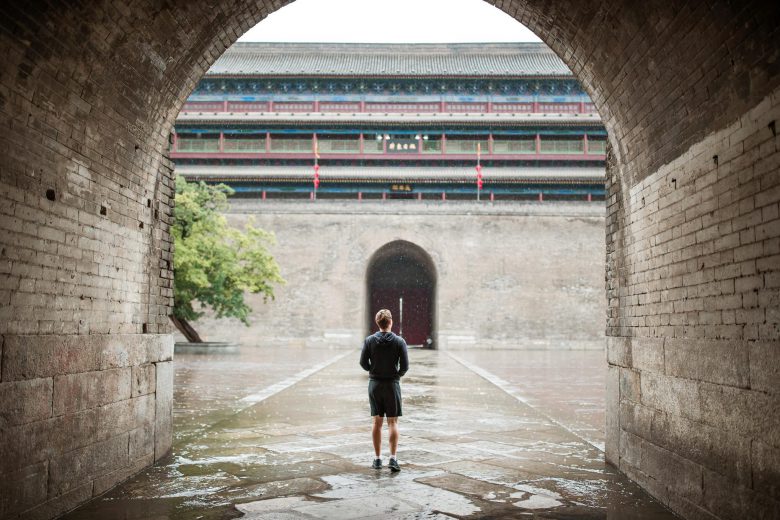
398, 21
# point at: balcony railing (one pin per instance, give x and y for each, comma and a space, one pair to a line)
338, 145
244, 145
292, 145
519, 146
552, 146
524, 107
539, 145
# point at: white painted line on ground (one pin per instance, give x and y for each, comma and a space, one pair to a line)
275, 388
507, 387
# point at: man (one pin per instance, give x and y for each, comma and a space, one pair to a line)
385, 358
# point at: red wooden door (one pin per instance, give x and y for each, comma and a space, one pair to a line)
417, 311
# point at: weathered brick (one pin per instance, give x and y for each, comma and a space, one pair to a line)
613, 416
727, 499
765, 366
80, 466
76, 392
124, 416
702, 360
34, 442
29, 357
676, 473
619, 351
23, 402
648, 354
164, 409
672, 395
144, 379
748, 413
23, 489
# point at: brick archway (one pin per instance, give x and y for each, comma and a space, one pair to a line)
689, 95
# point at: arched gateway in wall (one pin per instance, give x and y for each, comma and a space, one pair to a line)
688, 93
401, 277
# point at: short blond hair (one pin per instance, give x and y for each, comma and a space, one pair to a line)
383, 318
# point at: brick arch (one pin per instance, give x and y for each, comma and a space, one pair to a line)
688, 93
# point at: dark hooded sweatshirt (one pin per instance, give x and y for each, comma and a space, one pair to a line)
384, 356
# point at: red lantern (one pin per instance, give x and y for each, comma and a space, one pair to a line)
316, 176
479, 184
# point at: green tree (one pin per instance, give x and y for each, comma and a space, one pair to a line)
214, 264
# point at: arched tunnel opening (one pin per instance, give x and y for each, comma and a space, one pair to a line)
401, 277
90, 91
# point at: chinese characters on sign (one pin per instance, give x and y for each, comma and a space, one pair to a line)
401, 187
402, 145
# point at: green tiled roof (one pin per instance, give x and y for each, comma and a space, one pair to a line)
410, 60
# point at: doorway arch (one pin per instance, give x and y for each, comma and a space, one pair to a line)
401, 277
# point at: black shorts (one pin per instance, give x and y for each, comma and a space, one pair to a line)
384, 397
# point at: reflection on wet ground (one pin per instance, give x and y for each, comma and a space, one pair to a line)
468, 449
567, 386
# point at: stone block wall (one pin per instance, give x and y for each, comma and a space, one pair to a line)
78, 414
509, 276
694, 323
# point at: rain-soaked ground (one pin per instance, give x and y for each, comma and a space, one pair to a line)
285, 434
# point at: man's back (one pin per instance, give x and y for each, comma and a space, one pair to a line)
384, 356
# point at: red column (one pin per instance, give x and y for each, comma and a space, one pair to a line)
443, 144
268, 142
443, 107
360, 196
536, 106
316, 106
221, 142
582, 107
313, 143
585, 144
263, 194
419, 195
590, 198
490, 106
225, 106
443, 196
538, 144
492, 196
270, 106
490, 144
362, 143
384, 195
311, 195
541, 197
362, 106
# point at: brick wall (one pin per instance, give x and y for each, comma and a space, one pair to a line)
694, 323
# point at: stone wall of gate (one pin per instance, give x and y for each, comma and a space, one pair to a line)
510, 276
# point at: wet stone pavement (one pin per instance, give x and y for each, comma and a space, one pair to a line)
294, 443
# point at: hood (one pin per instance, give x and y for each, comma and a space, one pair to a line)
384, 337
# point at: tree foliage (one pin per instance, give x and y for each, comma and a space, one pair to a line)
214, 264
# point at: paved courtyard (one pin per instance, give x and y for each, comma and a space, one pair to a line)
284, 433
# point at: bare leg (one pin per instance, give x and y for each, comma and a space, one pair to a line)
392, 425
376, 434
